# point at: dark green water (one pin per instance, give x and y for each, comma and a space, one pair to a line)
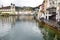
24, 28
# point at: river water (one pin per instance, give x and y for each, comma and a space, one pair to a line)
23, 28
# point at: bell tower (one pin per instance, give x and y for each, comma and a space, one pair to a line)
12, 8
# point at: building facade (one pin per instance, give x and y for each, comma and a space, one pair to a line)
8, 9
52, 9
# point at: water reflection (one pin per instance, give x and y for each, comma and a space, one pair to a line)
19, 28
49, 34
24, 28
5, 25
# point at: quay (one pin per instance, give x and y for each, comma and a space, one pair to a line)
16, 15
50, 24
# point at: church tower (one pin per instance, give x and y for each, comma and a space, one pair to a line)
12, 8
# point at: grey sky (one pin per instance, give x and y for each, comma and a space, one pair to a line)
31, 3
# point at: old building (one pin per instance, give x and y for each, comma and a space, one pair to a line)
42, 10
52, 13
58, 13
8, 9
50, 9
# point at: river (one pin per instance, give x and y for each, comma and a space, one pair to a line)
23, 28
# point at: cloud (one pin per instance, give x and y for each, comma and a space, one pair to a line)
31, 3
7, 2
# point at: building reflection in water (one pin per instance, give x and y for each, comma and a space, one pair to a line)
24, 18
49, 34
6, 24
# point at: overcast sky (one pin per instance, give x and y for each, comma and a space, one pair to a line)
31, 3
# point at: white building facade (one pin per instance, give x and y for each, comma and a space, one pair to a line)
8, 9
53, 6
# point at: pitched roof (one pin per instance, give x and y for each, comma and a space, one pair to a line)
7, 7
